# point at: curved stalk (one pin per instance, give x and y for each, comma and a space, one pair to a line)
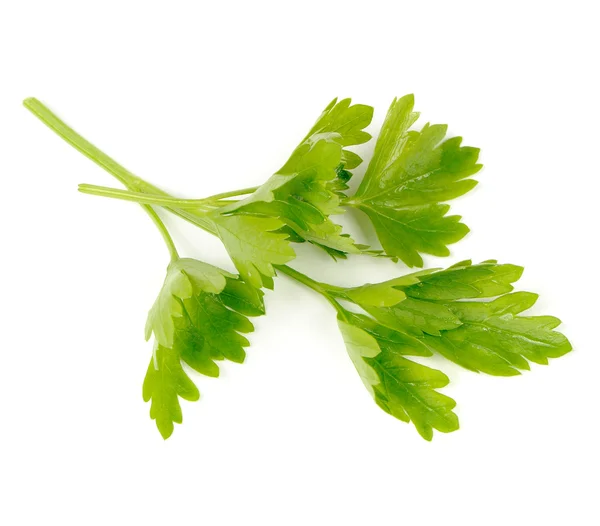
320, 288
164, 232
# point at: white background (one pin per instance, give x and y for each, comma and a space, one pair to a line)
206, 97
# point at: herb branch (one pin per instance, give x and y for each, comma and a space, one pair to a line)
468, 313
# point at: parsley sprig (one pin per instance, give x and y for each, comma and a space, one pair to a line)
467, 313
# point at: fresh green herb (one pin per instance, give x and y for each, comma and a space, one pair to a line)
410, 174
467, 313
307, 189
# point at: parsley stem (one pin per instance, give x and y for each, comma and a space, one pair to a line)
302, 278
233, 193
79, 143
101, 159
320, 288
160, 200
164, 232
141, 197
157, 199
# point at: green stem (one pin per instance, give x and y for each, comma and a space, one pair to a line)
320, 288
141, 197
130, 180
197, 218
78, 142
233, 193
157, 199
164, 232
302, 278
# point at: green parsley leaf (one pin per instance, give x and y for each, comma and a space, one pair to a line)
416, 317
210, 331
388, 339
184, 277
426, 311
346, 120
409, 176
350, 160
384, 294
401, 387
493, 339
307, 189
486, 337
254, 246
423, 309
377, 295
243, 298
165, 382
464, 281
208, 328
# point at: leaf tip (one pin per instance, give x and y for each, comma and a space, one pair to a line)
165, 428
